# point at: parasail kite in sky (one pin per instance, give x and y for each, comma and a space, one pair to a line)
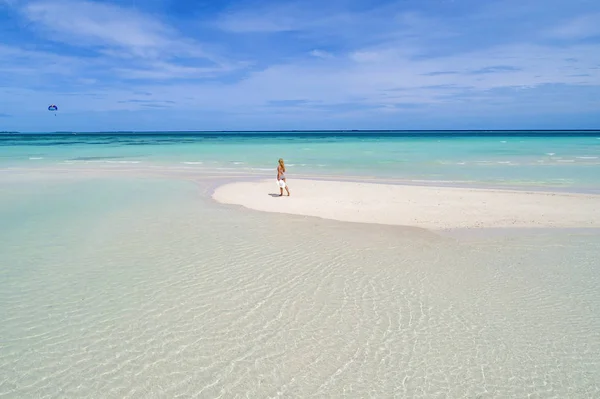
53, 108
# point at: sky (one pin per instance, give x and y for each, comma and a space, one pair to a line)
289, 65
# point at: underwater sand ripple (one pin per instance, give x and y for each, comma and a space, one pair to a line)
205, 301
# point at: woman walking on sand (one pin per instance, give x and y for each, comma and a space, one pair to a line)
281, 178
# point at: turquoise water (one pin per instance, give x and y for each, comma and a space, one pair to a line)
568, 160
134, 283
137, 287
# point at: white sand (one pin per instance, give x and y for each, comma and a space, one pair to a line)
426, 207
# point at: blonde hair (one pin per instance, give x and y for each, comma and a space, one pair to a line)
282, 164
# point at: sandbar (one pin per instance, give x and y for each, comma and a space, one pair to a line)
436, 208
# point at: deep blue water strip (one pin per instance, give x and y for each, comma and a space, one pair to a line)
316, 134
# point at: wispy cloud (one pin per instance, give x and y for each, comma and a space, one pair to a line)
276, 18
34, 68
287, 103
321, 54
168, 71
326, 21
582, 27
495, 69
83, 23
440, 73
138, 46
287, 16
138, 101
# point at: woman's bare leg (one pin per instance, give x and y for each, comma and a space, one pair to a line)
286, 188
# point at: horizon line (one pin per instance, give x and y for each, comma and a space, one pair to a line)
303, 131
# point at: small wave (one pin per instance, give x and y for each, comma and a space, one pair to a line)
504, 162
441, 181
503, 141
566, 160
550, 153
575, 157
461, 163
193, 163
238, 163
93, 158
72, 161
35, 158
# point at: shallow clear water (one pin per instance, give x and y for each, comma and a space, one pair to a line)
138, 285
569, 160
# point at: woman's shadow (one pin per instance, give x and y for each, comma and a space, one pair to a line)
274, 195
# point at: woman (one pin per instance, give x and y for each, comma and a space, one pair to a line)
281, 178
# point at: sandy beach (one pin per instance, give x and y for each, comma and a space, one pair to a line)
418, 206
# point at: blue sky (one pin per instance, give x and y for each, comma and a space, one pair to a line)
252, 65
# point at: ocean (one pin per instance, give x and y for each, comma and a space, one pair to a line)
120, 277
562, 159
